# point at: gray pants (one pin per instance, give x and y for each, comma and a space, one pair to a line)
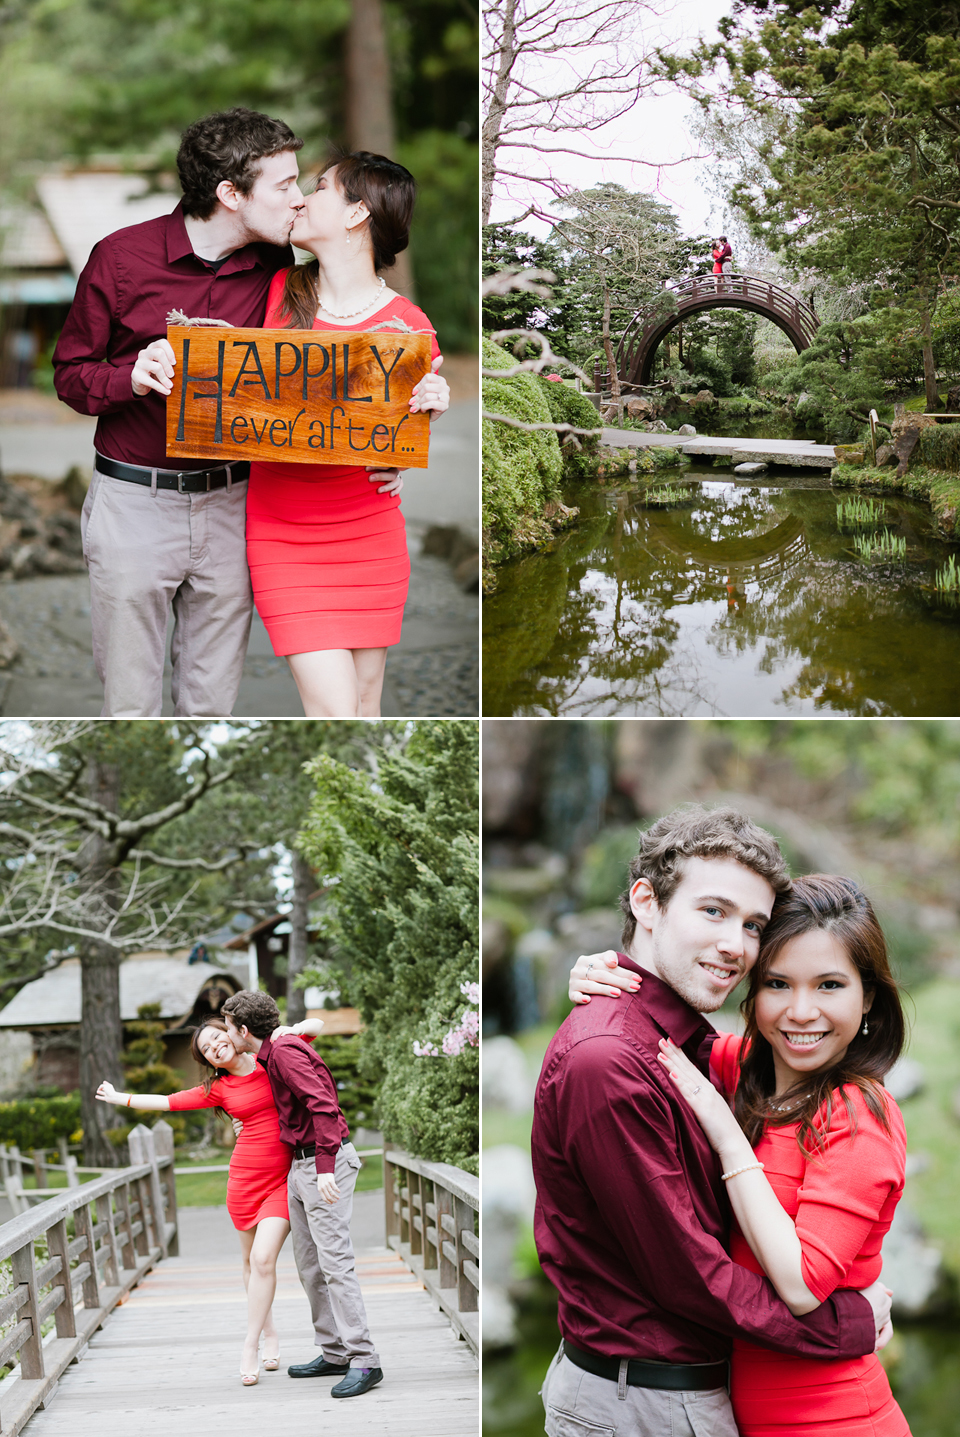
324, 1253
577, 1404
145, 552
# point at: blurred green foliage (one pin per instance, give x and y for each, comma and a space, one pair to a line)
39, 1122
403, 842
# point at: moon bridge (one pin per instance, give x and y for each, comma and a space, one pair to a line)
643, 335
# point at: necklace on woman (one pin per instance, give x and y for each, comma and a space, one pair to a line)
333, 313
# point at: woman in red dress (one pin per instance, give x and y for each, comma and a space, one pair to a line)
326, 543
257, 1181
814, 1150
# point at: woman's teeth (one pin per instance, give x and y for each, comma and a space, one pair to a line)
803, 1040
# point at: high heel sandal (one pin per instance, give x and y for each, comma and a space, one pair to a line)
271, 1364
249, 1379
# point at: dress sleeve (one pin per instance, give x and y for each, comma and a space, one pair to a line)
197, 1098
271, 319
856, 1178
725, 1063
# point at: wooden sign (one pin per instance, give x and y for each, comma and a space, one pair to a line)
297, 396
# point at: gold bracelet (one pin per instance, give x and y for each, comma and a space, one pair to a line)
747, 1168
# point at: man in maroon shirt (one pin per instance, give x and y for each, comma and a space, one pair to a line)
320, 1187
158, 532
632, 1219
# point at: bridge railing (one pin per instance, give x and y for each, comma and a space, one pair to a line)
432, 1222
123, 1223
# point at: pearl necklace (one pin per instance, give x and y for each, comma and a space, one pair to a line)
333, 313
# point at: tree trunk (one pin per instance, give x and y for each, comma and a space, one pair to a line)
303, 882
929, 367
369, 108
615, 391
490, 135
101, 1031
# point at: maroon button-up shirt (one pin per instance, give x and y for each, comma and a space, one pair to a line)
130, 283
632, 1220
306, 1098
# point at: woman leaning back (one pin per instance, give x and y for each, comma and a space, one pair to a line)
814, 1149
257, 1181
326, 546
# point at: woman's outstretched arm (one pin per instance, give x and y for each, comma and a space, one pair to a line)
766, 1226
150, 1102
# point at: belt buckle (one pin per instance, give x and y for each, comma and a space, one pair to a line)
180, 479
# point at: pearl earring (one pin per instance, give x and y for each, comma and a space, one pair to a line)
348, 237
866, 1026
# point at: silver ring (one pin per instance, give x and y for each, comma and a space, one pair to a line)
696, 1090
590, 965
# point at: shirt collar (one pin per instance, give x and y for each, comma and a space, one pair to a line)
669, 1011
179, 247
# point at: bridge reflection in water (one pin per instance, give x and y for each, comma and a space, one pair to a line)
749, 601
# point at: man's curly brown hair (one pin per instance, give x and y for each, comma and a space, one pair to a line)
693, 831
227, 146
257, 1012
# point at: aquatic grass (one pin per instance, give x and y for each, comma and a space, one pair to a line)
947, 579
666, 497
881, 546
859, 513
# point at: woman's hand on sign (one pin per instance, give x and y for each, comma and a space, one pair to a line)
432, 393
390, 480
154, 369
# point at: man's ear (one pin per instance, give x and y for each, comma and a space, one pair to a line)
643, 903
227, 195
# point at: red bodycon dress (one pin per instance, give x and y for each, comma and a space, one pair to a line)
257, 1181
327, 552
842, 1204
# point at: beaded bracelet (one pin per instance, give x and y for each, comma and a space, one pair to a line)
747, 1168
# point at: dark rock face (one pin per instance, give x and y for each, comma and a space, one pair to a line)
35, 539
886, 455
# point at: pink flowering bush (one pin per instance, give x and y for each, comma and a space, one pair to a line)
465, 1035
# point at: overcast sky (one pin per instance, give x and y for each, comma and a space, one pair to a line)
656, 130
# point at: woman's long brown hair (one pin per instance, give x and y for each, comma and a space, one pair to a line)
212, 1072
389, 192
822, 902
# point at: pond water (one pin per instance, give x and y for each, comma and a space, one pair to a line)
747, 600
923, 1370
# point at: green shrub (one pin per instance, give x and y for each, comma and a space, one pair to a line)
567, 406
40, 1122
940, 447
521, 471
443, 244
356, 1094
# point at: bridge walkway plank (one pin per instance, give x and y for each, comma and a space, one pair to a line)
169, 1356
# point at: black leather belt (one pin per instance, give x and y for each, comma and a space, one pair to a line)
671, 1376
186, 481
308, 1150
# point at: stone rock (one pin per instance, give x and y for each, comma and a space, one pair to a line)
703, 396
659, 427
609, 415
507, 1082
750, 468
922, 1287
848, 453
467, 573
904, 443
687, 429
905, 1080
886, 454
904, 422
639, 408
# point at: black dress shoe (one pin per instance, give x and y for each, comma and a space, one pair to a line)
319, 1367
357, 1381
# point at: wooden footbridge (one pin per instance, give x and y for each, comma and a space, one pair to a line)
642, 337
146, 1311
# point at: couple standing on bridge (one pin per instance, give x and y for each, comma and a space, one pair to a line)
323, 545
293, 1167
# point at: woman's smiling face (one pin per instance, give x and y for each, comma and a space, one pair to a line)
216, 1047
810, 1005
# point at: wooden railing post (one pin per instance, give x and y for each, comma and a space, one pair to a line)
390, 1225
108, 1240
142, 1150
463, 1218
163, 1144
25, 1271
83, 1224
57, 1247
444, 1201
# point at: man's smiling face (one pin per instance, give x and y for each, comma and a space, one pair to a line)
708, 935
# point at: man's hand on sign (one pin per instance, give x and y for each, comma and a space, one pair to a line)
390, 480
431, 393
154, 369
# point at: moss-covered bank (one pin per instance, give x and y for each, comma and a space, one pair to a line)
938, 488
